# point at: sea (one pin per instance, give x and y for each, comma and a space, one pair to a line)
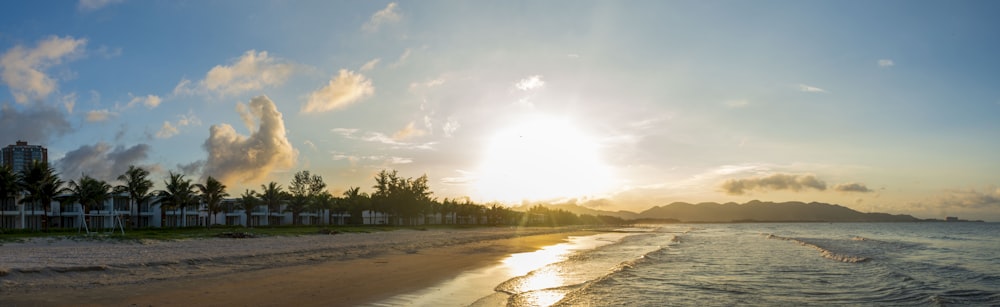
766, 264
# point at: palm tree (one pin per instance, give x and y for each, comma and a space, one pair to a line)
212, 193
9, 186
272, 196
137, 186
89, 192
248, 202
42, 184
178, 193
356, 203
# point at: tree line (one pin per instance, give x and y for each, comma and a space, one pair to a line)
398, 200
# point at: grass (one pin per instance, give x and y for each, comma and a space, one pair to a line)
200, 232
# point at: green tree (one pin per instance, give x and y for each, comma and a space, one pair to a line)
178, 193
90, 193
10, 187
402, 198
212, 193
356, 202
249, 202
42, 184
137, 184
272, 196
304, 190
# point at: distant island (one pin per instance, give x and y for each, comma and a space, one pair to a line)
753, 211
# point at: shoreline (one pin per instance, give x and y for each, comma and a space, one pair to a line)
311, 270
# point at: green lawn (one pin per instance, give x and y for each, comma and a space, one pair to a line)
16, 235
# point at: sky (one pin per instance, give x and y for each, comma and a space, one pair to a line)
879, 106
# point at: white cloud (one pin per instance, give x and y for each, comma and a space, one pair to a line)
150, 101
23, 69
250, 72
377, 137
348, 87
450, 127
171, 129
530, 83
93, 5
370, 65
737, 103
167, 130
310, 144
402, 58
69, 101
886, 63
237, 158
389, 14
408, 132
400, 160
99, 115
810, 89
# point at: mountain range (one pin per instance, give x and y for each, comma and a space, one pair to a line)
753, 211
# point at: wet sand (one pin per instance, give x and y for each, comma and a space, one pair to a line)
357, 271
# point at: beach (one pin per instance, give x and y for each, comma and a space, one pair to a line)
313, 270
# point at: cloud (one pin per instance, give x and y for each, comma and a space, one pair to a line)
530, 83
402, 58
191, 169
408, 132
376, 137
99, 115
338, 156
370, 65
464, 178
167, 130
852, 187
737, 103
811, 89
348, 87
884, 63
102, 161
971, 199
93, 5
450, 127
775, 182
237, 158
150, 101
250, 72
389, 14
36, 124
171, 129
23, 69
69, 101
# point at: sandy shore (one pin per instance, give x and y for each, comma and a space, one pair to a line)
315, 270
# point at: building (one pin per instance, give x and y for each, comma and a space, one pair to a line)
20, 156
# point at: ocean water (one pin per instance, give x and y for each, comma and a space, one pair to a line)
772, 264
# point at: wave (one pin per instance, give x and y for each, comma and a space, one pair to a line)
826, 253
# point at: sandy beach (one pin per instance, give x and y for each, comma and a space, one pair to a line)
315, 270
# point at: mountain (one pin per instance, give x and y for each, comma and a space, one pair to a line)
758, 211
580, 210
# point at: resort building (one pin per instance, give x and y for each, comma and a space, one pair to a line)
21, 155
119, 212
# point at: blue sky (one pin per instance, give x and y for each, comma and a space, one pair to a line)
888, 106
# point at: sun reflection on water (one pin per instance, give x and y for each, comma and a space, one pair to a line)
536, 276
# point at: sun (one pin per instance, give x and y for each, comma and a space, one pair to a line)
541, 158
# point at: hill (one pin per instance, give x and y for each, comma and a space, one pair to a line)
580, 210
757, 211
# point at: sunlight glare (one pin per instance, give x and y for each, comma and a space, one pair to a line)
542, 158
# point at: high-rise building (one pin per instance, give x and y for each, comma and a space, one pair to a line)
20, 155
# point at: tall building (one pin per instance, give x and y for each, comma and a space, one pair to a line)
20, 155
